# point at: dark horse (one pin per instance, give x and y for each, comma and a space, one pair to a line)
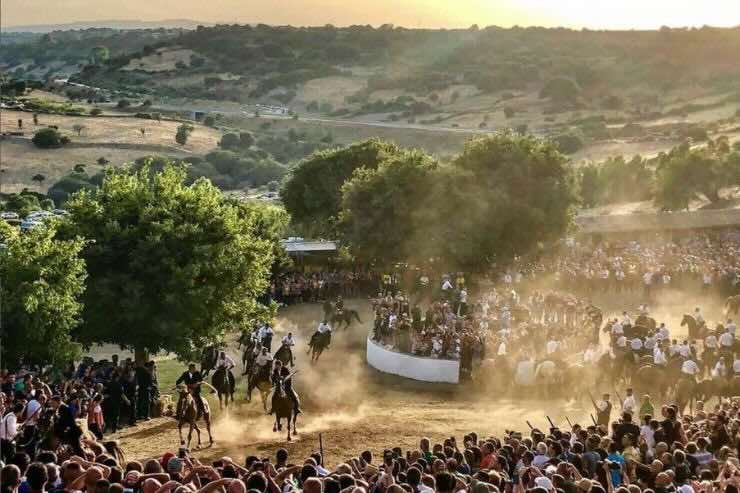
208, 360
344, 317
284, 355
319, 342
260, 381
283, 407
696, 330
224, 384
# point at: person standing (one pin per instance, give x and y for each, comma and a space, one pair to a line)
144, 385
9, 431
95, 420
114, 397
603, 411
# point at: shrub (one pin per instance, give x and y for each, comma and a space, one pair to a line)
209, 121
49, 138
96, 111
569, 142
123, 104
509, 111
183, 132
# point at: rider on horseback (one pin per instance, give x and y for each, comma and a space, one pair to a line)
281, 374
193, 379
323, 330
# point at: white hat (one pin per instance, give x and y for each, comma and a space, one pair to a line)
545, 483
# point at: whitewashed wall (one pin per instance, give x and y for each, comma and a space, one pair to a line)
424, 369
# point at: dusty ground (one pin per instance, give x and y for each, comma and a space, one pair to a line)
357, 408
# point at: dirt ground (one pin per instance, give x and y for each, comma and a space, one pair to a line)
355, 407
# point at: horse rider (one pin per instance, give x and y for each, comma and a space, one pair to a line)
726, 343
280, 374
339, 305
192, 379
224, 361
690, 370
262, 361
288, 340
265, 336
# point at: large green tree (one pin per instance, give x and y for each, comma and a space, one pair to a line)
686, 173
172, 267
42, 284
312, 193
503, 196
379, 206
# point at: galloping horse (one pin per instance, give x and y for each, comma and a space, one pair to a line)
283, 407
696, 330
260, 381
344, 317
319, 342
284, 355
224, 384
187, 412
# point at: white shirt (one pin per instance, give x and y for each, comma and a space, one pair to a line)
650, 342
629, 404
659, 357
636, 344
287, 341
689, 367
736, 366
323, 327
225, 361
664, 333
502, 349
32, 414
684, 350
622, 341
726, 340
551, 347
446, 285
617, 328
263, 359
9, 427
710, 342
731, 328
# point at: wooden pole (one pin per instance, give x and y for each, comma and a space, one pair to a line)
321, 448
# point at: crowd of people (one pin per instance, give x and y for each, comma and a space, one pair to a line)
105, 394
645, 450
312, 287
701, 262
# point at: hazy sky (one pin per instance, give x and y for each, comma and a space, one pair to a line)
411, 13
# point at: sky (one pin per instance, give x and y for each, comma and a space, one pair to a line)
595, 14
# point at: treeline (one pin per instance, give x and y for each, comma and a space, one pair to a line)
504, 195
672, 180
179, 264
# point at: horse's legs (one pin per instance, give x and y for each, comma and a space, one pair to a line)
190, 432
207, 418
179, 428
295, 418
197, 432
220, 401
289, 439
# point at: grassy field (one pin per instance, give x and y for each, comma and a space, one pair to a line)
119, 140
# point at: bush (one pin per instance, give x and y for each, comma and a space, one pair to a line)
509, 111
96, 111
183, 132
569, 143
123, 104
209, 121
229, 141
47, 138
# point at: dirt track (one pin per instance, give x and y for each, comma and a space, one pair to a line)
357, 408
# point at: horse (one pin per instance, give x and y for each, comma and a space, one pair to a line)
208, 359
319, 342
224, 384
284, 354
261, 382
645, 321
732, 305
548, 376
685, 389
696, 330
344, 317
187, 412
283, 407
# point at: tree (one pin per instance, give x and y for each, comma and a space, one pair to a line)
38, 178
123, 104
561, 90
183, 132
102, 161
47, 138
246, 140
180, 265
378, 205
96, 112
99, 55
312, 193
209, 121
229, 141
505, 195
685, 173
79, 168
78, 127
43, 280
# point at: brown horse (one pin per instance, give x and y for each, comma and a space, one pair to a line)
187, 412
283, 408
732, 305
696, 330
260, 381
318, 343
